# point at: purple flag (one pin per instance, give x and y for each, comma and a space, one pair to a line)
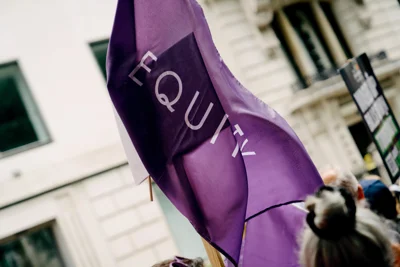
219, 154
276, 232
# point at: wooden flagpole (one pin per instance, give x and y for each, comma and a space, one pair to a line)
150, 188
213, 255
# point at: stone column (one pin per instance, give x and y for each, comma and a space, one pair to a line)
296, 47
329, 34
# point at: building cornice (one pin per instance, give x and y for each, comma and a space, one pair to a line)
335, 87
261, 12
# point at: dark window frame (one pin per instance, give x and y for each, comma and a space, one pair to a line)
14, 71
29, 233
303, 82
97, 48
290, 13
333, 21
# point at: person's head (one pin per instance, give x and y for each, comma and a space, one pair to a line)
340, 178
181, 262
338, 233
380, 198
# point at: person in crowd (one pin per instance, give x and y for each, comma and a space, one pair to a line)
181, 262
383, 203
337, 177
379, 198
341, 233
333, 176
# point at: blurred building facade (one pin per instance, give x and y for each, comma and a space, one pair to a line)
287, 53
66, 195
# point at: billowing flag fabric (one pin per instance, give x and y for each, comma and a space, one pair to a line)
220, 155
272, 238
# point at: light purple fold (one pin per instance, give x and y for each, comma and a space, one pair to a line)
272, 238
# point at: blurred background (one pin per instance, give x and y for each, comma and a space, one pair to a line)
67, 196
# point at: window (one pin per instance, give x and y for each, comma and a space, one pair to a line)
33, 248
312, 40
99, 50
21, 126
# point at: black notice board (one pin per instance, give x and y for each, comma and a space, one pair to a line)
377, 115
